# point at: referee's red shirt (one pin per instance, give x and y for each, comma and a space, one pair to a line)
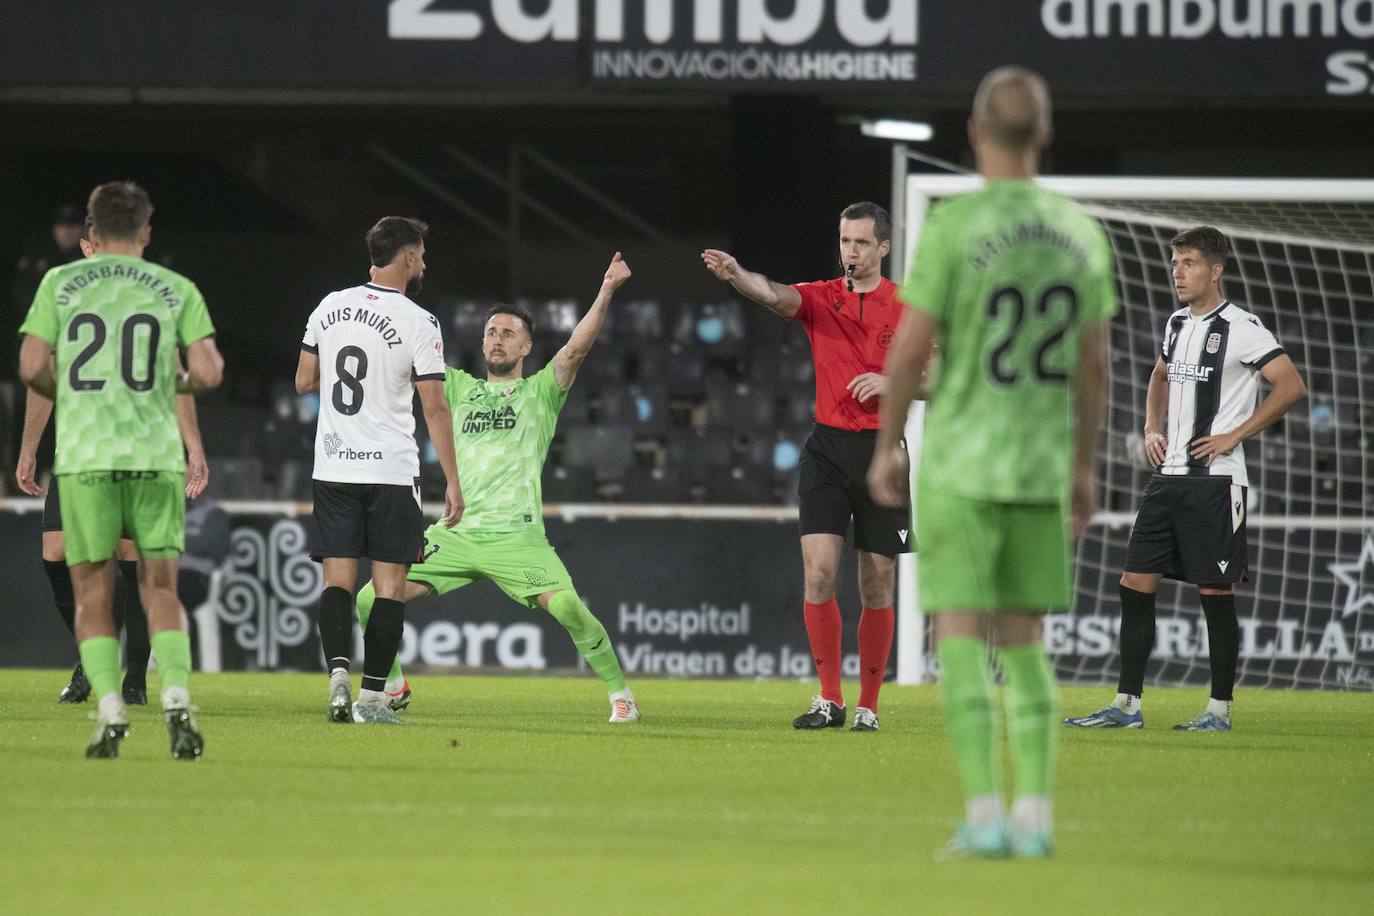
850, 334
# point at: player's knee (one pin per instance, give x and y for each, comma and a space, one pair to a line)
1140, 582
820, 584
569, 611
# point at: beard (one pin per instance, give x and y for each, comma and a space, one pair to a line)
502, 368
415, 284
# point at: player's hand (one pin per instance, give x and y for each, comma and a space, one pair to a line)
616, 274
24, 474
1156, 447
453, 504
1213, 447
721, 263
868, 385
889, 478
1082, 500
197, 475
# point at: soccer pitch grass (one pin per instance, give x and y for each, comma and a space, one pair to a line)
507, 794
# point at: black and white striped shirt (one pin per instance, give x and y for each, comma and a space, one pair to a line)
1214, 364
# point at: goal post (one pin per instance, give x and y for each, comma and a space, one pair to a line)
1302, 260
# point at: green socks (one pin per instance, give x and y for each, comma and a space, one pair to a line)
590, 638
1032, 703
967, 693
365, 599
172, 649
100, 661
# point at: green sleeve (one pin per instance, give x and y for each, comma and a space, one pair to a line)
194, 322
41, 321
546, 387
1107, 304
928, 282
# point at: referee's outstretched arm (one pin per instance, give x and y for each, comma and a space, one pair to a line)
783, 301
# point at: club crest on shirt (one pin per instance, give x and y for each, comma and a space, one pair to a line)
1213, 342
885, 338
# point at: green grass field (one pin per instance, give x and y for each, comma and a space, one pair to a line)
514, 795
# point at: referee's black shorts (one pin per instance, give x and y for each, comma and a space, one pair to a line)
834, 489
1191, 529
381, 522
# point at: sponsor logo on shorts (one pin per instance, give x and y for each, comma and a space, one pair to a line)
537, 576
429, 550
334, 448
1222, 564
97, 478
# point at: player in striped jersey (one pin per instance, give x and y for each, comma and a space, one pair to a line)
1191, 523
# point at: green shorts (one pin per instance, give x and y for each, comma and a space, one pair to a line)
989, 556
99, 506
522, 563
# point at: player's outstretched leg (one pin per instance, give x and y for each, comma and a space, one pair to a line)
594, 644
967, 694
100, 659
397, 687
136, 644
1032, 704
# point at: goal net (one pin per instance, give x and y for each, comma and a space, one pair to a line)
1303, 261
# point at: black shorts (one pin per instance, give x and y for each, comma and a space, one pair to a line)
52, 510
834, 489
1191, 529
381, 522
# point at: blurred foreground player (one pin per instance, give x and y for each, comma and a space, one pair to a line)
850, 322
501, 433
1191, 523
114, 322
1015, 283
129, 613
368, 350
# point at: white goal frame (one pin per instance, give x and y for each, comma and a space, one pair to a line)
912, 196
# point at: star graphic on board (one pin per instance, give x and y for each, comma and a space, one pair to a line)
1352, 576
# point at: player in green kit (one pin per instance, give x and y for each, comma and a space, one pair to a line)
1015, 285
502, 427
101, 340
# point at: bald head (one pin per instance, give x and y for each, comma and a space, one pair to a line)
1012, 109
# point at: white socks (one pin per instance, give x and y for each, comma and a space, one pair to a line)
175, 698
983, 811
626, 694
373, 699
1126, 703
395, 686
1032, 814
1221, 708
111, 706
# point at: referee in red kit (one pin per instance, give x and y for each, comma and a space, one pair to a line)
850, 321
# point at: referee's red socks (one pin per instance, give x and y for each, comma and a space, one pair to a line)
875, 643
823, 628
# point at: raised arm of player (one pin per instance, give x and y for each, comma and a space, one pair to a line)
36, 368
569, 358
1156, 412
1090, 400
37, 412
1288, 389
889, 474
204, 367
783, 301
439, 423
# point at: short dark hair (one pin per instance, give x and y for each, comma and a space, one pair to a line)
119, 209
864, 209
1205, 239
519, 311
390, 235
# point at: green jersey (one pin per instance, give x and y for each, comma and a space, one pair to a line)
1011, 273
115, 323
501, 435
